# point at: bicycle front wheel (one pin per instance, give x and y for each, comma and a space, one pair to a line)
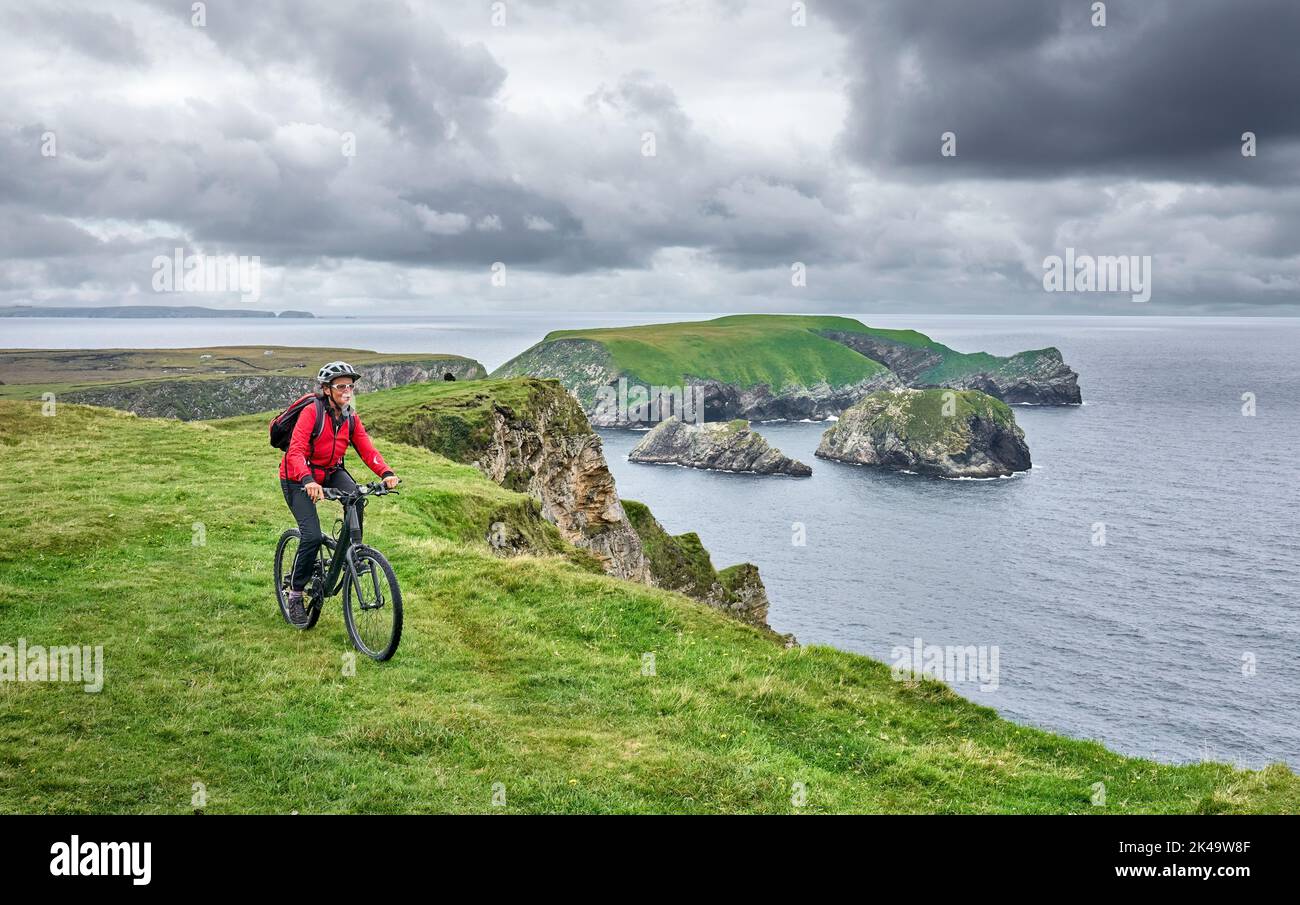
372, 605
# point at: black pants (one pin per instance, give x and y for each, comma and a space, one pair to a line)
304, 510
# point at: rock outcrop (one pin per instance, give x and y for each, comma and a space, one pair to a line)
569, 475
680, 563
949, 433
530, 436
1028, 378
201, 398
729, 446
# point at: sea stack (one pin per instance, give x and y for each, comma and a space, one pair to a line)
729, 446
949, 433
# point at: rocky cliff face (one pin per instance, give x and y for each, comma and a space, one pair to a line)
529, 436
1040, 377
724, 402
201, 398
949, 433
907, 362
1034, 378
745, 596
568, 474
729, 446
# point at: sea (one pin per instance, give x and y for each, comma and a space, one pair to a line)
1140, 586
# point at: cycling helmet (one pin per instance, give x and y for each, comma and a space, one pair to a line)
337, 369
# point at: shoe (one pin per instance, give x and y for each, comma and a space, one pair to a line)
297, 613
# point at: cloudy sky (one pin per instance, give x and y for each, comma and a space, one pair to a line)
653, 156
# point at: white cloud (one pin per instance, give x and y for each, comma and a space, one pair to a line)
442, 224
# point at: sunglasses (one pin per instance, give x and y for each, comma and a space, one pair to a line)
341, 387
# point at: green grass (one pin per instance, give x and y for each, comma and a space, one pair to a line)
524, 671
27, 373
780, 350
745, 350
920, 417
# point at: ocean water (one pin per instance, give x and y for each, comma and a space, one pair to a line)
1178, 638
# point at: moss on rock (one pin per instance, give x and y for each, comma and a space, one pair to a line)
681, 563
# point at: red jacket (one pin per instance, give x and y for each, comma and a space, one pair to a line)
327, 452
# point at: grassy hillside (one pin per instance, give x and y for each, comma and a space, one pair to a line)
744, 350
524, 671
779, 350
27, 373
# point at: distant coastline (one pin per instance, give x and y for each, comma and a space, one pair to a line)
143, 311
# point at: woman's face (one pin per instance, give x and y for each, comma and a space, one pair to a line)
341, 391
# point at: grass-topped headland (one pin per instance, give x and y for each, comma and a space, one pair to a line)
785, 365
27, 373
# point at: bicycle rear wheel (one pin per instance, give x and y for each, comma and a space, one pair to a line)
372, 605
286, 552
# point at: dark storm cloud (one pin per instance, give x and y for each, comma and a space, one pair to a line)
24, 234
1032, 89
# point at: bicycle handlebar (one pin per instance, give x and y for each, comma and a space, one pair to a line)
374, 488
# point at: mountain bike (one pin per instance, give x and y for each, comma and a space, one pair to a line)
372, 599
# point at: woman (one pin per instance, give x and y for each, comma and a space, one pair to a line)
310, 466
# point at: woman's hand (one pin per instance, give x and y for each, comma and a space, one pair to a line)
391, 481
314, 492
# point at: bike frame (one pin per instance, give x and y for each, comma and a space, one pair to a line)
345, 546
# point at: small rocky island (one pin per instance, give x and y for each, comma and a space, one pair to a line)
949, 433
729, 446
